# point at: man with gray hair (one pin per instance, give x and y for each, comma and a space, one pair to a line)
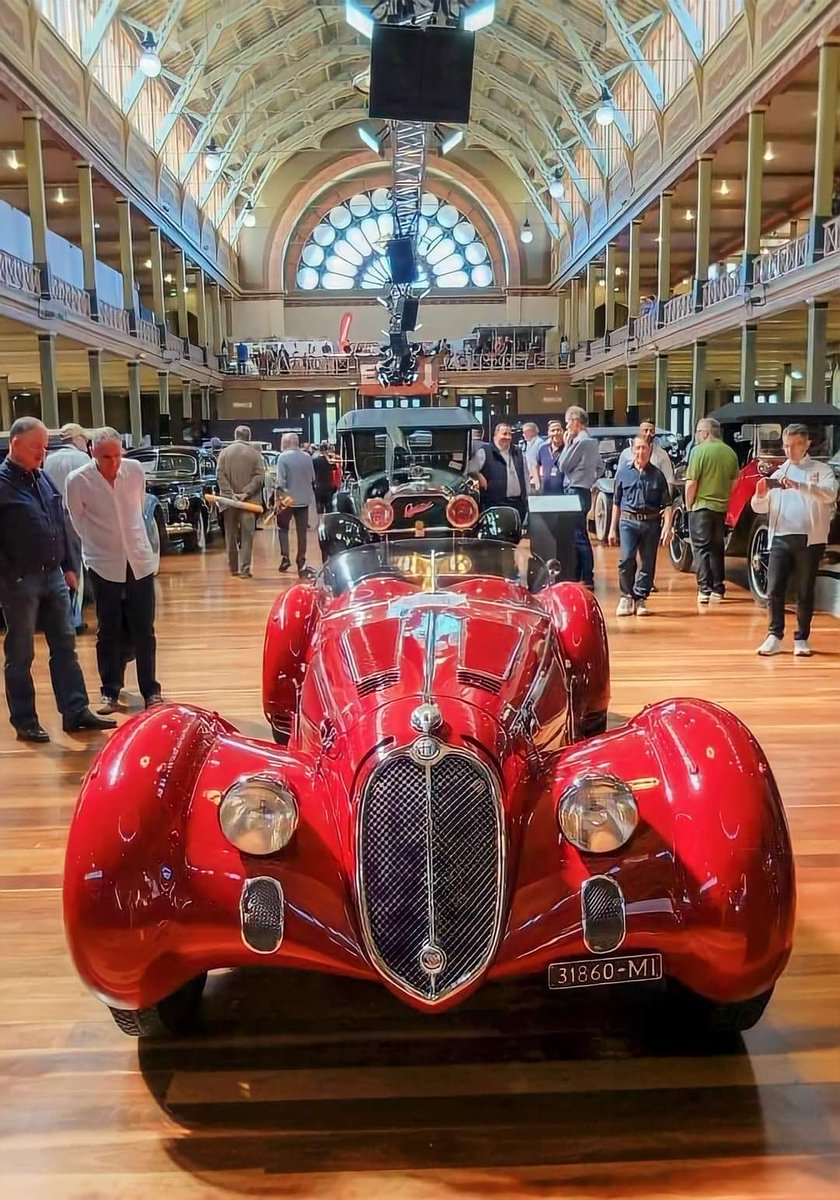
241, 472
533, 444
710, 475
59, 464
580, 465
106, 500
296, 482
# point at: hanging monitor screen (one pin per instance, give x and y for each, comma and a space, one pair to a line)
421, 74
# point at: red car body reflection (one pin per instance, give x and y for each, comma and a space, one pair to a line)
431, 860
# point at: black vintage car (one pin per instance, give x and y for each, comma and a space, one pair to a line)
178, 477
405, 470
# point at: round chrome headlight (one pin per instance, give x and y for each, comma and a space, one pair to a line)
377, 515
258, 815
598, 814
182, 503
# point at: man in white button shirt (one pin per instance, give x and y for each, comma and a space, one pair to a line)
799, 499
105, 500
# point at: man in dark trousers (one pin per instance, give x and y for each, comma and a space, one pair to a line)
581, 465
241, 474
500, 467
323, 468
35, 574
641, 496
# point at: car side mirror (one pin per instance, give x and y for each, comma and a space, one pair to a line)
340, 531
499, 524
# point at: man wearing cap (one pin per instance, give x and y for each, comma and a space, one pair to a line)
71, 454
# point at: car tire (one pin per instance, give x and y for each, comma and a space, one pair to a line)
174, 1014
602, 515
699, 1015
679, 548
196, 542
758, 558
163, 537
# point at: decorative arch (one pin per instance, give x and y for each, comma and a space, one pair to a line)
449, 182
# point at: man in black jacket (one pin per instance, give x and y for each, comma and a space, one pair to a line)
500, 467
35, 573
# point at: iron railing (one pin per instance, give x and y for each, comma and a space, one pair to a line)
618, 337
74, 298
114, 318
678, 308
646, 327
781, 261
716, 290
147, 331
18, 274
831, 237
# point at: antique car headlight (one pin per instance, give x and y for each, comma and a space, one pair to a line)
598, 814
258, 815
182, 503
462, 512
377, 515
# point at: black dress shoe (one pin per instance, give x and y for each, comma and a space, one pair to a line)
154, 699
284, 564
32, 733
86, 720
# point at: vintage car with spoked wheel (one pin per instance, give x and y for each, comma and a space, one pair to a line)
405, 470
180, 477
754, 431
443, 808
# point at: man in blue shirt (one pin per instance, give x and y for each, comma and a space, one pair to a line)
640, 497
551, 479
35, 574
581, 465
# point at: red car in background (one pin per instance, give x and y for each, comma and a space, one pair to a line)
443, 808
754, 431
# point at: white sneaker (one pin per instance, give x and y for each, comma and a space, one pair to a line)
715, 598
703, 597
801, 649
770, 645
626, 607
642, 609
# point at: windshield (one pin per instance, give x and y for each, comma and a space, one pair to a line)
766, 438
434, 449
169, 464
433, 565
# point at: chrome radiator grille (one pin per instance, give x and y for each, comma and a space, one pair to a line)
431, 857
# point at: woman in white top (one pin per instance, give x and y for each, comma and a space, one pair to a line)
799, 499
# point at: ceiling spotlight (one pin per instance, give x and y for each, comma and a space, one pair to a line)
451, 141
96, 225
602, 283
795, 374
149, 58
60, 198
689, 215
605, 112
212, 156
369, 139
768, 153
249, 217
12, 161
556, 188
724, 189
358, 17
168, 279
480, 15
148, 264
526, 233
619, 270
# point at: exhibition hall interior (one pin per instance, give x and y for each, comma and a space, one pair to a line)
420, 599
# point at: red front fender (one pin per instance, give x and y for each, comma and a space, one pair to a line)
288, 637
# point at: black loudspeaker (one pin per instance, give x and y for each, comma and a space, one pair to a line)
401, 260
421, 74
409, 315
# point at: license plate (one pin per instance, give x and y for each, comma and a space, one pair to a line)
598, 972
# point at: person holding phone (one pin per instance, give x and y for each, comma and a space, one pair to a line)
799, 499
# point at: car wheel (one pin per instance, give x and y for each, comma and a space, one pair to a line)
699, 1015
197, 540
163, 539
758, 559
602, 515
679, 549
172, 1016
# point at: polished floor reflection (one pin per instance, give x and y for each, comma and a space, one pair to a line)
306, 1086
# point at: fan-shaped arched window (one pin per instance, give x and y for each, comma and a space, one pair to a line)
347, 248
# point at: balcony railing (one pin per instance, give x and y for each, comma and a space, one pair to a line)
272, 366
173, 343
716, 290
20, 275
147, 331
646, 327
618, 337
782, 261
114, 318
72, 297
831, 243
678, 309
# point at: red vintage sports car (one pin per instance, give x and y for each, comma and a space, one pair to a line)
444, 809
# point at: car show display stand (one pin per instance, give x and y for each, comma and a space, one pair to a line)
552, 521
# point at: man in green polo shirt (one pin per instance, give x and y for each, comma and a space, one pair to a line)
710, 475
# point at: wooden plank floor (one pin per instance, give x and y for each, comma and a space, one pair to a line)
304, 1086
